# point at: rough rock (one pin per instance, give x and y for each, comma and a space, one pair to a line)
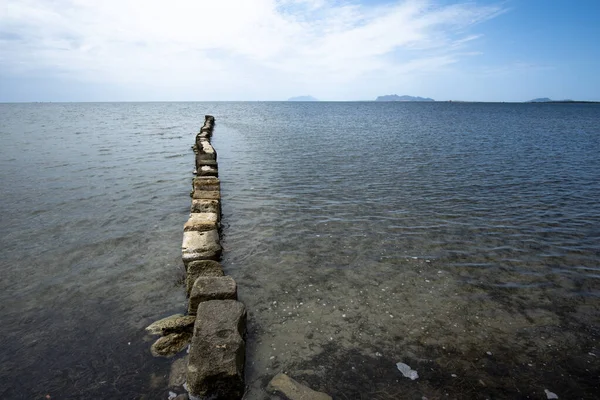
206, 183
206, 170
292, 390
202, 222
168, 346
206, 151
196, 269
172, 324
206, 195
208, 288
200, 246
206, 205
217, 352
210, 163
178, 372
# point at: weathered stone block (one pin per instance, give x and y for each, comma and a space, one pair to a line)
206, 170
202, 222
210, 163
208, 288
168, 346
173, 324
217, 351
206, 151
207, 195
206, 183
292, 390
196, 269
200, 246
206, 206
206, 187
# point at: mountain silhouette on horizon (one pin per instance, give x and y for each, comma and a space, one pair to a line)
395, 97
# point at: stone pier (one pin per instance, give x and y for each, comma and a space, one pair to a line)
217, 351
216, 322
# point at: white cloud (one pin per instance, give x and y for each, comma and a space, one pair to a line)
233, 49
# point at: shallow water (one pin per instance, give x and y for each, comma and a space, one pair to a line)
460, 239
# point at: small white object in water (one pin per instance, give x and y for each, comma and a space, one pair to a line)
550, 395
489, 353
407, 371
378, 354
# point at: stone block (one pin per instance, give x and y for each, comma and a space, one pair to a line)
210, 163
206, 151
200, 246
206, 187
206, 195
208, 288
206, 183
168, 346
206, 206
174, 324
196, 269
292, 390
202, 222
217, 352
206, 170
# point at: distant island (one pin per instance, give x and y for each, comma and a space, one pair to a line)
395, 97
302, 98
548, 100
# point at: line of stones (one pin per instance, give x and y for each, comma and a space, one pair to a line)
216, 322
217, 350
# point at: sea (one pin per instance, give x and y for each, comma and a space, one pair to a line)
461, 240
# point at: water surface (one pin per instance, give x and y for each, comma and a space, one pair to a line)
460, 239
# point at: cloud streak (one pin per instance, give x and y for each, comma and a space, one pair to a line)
233, 49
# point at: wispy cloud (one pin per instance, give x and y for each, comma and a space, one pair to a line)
214, 49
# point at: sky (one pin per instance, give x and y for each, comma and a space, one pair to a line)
270, 50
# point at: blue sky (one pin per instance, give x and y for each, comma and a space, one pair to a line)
186, 50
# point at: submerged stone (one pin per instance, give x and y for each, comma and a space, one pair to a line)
172, 324
196, 269
178, 372
217, 353
293, 390
208, 288
168, 346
